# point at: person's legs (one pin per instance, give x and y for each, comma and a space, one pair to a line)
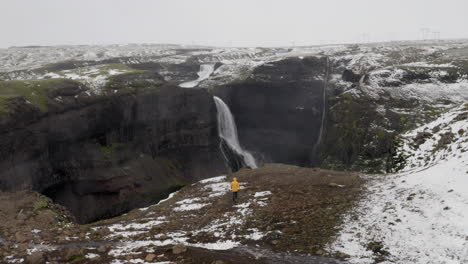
234, 197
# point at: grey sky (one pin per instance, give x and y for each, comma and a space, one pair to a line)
224, 23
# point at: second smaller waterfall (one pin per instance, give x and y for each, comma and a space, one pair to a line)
228, 132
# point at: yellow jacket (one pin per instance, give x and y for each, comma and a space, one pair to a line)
235, 185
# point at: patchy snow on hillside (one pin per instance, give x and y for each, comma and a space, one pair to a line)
432, 92
23, 58
419, 215
227, 228
205, 71
390, 81
429, 65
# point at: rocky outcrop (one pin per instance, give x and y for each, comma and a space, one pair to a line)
278, 109
103, 155
360, 136
199, 216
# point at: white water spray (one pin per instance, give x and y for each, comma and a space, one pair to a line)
228, 131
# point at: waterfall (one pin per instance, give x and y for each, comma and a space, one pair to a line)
228, 132
324, 100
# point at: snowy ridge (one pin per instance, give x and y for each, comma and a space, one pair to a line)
419, 215
389, 80
34, 57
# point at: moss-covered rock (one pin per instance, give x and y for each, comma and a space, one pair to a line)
133, 82
35, 92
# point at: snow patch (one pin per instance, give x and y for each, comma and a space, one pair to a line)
214, 179
262, 194
190, 207
205, 71
92, 255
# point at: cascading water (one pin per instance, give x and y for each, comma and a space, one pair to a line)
324, 99
228, 132
324, 95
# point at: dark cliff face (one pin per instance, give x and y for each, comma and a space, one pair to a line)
278, 109
104, 155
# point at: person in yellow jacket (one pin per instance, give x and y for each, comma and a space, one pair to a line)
235, 188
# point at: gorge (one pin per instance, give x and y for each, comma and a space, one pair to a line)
149, 125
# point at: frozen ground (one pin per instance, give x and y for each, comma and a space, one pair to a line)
226, 227
431, 90
27, 58
26, 63
419, 215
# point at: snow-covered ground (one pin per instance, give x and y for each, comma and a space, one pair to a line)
432, 90
27, 58
145, 229
225, 227
419, 215
24, 63
205, 71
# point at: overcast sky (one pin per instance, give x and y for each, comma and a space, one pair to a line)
226, 23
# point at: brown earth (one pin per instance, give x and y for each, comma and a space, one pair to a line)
300, 216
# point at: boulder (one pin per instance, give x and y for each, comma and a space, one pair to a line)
150, 257
36, 258
179, 249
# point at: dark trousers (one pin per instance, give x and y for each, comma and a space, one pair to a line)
234, 197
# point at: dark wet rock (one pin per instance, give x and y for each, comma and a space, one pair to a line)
378, 248
103, 155
278, 109
436, 129
445, 139
421, 137
462, 116
351, 76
